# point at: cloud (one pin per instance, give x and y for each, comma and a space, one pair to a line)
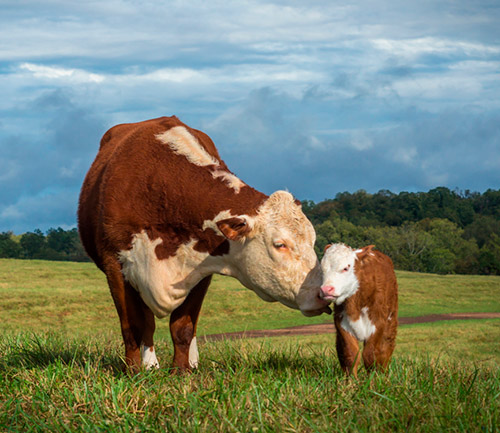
58, 73
317, 98
272, 144
43, 169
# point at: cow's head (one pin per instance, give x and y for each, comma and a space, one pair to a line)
273, 254
339, 279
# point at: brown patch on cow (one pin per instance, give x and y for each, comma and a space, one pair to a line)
212, 243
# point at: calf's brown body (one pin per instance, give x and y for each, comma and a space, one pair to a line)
378, 294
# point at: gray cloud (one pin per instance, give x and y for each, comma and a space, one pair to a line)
317, 98
43, 169
272, 142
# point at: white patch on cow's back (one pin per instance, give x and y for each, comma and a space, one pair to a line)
148, 356
182, 142
164, 284
230, 179
361, 328
193, 354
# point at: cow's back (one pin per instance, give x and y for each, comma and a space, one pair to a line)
137, 182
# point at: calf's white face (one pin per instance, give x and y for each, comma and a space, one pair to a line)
339, 279
276, 259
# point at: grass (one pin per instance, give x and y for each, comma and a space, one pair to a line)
50, 383
73, 298
61, 365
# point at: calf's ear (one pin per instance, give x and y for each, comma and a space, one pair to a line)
364, 251
235, 228
328, 246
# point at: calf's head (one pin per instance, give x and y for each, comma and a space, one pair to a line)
339, 277
274, 254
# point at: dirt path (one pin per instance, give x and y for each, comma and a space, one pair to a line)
328, 328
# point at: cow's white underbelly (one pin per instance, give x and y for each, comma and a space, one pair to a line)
361, 328
163, 284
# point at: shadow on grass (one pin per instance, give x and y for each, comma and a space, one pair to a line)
30, 350
257, 358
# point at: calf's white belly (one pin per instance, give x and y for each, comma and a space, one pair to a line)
361, 328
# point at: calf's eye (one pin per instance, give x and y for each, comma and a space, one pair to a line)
346, 268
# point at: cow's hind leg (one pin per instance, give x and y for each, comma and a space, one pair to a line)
183, 321
148, 354
136, 319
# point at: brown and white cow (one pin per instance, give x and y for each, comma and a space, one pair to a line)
160, 212
363, 286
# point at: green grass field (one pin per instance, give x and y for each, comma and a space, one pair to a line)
61, 366
73, 298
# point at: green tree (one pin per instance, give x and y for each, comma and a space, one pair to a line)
60, 240
33, 244
339, 230
9, 248
489, 256
482, 228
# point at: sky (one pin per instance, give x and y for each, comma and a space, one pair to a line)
315, 97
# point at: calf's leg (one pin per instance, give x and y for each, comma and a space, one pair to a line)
386, 346
347, 349
183, 321
376, 353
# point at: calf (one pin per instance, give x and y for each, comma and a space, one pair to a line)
363, 286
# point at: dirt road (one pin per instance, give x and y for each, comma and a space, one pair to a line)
328, 328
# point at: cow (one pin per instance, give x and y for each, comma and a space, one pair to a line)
362, 285
159, 213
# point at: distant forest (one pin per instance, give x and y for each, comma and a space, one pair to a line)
440, 231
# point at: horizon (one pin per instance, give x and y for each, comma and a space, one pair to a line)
317, 99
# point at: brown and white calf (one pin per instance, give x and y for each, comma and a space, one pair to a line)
160, 212
363, 286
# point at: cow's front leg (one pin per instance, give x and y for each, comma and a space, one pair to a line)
183, 321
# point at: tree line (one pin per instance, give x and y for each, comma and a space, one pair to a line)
439, 231
56, 244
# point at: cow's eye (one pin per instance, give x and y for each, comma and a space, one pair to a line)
280, 245
346, 268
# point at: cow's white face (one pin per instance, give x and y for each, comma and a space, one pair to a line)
276, 258
339, 279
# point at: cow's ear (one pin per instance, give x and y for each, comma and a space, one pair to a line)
362, 252
328, 246
235, 228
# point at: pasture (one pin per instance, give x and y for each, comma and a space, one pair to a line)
60, 363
